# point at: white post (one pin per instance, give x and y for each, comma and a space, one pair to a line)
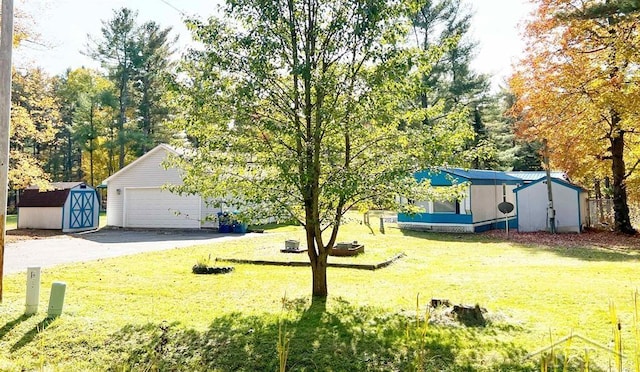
56, 299
506, 221
33, 290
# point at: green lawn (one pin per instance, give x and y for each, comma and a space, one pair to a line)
12, 221
149, 312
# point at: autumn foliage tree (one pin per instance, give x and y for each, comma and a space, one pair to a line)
577, 86
35, 120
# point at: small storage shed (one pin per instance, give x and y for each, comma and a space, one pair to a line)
67, 206
137, 196
570, 203
476, 211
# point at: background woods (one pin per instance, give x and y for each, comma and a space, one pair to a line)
86, 124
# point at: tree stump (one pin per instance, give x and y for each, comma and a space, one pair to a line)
470, 316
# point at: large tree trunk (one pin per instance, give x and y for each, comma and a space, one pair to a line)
318, 260
122, 101
620, 206
121, 137
319, 272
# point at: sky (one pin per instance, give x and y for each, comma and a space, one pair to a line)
64, 25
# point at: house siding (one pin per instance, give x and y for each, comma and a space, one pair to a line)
147, 172
486, 199
478, 210
207, 214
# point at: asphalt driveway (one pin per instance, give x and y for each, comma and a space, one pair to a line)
104, 243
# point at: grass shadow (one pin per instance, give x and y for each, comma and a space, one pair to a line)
446, 237
288, 226
12, 324
589, 254
31, 334
586, 251
336, 336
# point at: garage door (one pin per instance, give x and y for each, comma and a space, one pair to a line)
157, 208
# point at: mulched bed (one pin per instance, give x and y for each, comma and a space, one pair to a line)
589, 238
211, 269
16, 235
377, 266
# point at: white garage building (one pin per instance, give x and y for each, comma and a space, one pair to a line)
137, 196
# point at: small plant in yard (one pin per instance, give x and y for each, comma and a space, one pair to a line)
202, 266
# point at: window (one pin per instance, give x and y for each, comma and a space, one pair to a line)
446, 207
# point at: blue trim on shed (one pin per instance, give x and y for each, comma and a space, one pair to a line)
517, 214
579, 213
82, 208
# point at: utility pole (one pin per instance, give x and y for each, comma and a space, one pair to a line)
551, 213
6, 48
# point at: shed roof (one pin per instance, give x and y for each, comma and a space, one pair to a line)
554, 180
530, 176
58, 185
35, 198
56, 197
447, 176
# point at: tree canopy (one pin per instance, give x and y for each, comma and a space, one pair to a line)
577, 87
137, 59
308, 109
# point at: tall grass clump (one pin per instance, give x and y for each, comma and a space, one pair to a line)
420, 335
616, 328
283, 338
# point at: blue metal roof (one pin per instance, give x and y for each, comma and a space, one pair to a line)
449, 176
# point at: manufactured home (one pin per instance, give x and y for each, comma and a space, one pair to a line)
476, 211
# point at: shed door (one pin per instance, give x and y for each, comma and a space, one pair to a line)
156, 208
82, 208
